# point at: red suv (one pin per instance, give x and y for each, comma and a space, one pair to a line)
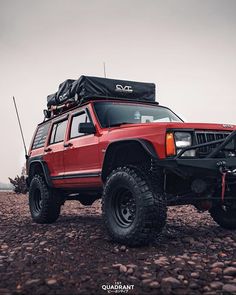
138, 156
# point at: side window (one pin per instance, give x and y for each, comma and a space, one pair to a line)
40, 136
58, 131
76, 120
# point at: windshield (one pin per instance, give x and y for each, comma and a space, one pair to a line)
115, 114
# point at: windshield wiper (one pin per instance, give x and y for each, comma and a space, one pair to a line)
119, 124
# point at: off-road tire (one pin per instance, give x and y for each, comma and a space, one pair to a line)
225, 218
43, 202
150, 213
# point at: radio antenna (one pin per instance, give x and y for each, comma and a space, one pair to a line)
21, 131
104, 69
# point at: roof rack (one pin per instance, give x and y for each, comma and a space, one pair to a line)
55, 111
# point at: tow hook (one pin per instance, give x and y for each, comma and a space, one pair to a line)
224, 171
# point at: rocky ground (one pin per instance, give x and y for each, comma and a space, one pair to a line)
75, 256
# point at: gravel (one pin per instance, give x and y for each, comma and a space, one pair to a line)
193, 255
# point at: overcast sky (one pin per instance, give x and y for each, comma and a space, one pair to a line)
186, 47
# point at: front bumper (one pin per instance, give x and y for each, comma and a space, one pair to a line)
212, 163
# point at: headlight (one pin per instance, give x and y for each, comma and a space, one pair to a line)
183, 140
176, 141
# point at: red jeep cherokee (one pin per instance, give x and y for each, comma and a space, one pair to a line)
138, 156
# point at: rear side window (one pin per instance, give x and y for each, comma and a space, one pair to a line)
58, 131
40, 136
76, 120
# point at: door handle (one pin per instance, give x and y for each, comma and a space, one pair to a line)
48, 150
68, 144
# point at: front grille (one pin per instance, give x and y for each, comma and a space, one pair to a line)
208, 136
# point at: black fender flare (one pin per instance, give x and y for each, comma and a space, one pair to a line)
145, 144
44, 167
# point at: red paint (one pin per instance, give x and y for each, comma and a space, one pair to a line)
223, 187
86, 153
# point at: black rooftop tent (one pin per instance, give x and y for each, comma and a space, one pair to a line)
96, 87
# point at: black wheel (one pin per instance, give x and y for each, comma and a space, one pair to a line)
43, 202
224, 215
132, 212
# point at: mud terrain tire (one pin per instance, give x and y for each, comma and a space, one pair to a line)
132, 212
43, 202
225, 217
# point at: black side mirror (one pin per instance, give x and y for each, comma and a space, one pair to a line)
87, 128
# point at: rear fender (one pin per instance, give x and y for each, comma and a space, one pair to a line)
38, 166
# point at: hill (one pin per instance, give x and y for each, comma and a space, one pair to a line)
5, 186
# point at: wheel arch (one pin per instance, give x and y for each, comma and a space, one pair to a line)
38, 166
136, 150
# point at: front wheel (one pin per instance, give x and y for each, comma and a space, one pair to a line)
133, 213
43, 202
224, 215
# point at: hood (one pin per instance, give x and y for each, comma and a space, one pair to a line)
181, 125
202, 126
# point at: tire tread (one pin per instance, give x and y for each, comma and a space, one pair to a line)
153, 209
51, 203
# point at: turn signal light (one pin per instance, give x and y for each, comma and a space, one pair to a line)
170, 144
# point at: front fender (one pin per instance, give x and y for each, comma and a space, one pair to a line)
146, 146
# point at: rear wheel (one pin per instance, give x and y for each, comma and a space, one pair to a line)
133, 213
43, 202
225, 214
